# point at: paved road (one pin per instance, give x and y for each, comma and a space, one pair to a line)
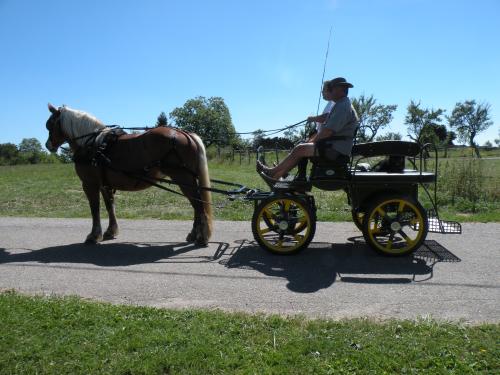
453, 277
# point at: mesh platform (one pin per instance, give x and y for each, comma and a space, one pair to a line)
441, 226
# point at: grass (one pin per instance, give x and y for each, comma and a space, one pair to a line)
71, 336
53, 190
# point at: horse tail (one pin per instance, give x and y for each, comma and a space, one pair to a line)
204, 181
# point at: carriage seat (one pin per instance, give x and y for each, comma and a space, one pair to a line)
330, 169
395, 153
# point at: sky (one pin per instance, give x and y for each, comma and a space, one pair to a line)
126, 61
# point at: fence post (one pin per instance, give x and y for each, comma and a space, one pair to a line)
276, 152
240, 152
232, 157
218, 152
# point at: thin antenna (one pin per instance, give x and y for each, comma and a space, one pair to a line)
324, 69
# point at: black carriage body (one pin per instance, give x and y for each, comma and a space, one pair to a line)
383, 198
362, 187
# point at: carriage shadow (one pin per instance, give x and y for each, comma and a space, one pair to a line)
322, 264
117, 254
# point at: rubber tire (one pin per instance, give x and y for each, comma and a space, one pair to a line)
379, 201
312, 215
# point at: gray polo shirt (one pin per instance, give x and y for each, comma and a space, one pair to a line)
343, 120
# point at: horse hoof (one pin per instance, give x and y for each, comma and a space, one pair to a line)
92, 239
109, 236
201, 242
191, 237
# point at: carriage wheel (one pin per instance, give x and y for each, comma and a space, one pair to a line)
357, 218
395, 225
283, 225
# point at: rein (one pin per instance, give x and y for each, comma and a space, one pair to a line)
156, 182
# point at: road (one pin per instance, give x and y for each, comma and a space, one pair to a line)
453, 277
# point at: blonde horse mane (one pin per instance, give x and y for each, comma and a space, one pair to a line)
76, 124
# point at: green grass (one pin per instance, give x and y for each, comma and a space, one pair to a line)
70, 336
53, 190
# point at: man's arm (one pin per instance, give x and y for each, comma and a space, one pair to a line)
321, 118
323, 133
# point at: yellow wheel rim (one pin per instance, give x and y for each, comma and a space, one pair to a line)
395, 226
283, 225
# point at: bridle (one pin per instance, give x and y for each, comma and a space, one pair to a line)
72, 140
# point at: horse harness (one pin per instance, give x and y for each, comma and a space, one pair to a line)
97, 156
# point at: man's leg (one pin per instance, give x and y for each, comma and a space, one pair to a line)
304, 150
302, 169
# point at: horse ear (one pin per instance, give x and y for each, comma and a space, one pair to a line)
53, 109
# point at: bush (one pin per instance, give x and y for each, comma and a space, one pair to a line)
462, 184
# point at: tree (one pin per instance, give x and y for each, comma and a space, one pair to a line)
390, 137
497, 140
258, 136
469, 119
8, 154
292, 134
161, 120
209, 118
372, 117
65, 155
422, 123
31, 150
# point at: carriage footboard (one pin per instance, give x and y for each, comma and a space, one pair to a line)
436, 225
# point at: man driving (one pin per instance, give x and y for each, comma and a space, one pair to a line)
335, 136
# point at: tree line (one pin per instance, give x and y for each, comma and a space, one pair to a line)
211, 120
29, 151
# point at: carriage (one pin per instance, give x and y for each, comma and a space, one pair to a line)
384, 200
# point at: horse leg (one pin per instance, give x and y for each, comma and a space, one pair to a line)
189, 187
92, 193
109, 200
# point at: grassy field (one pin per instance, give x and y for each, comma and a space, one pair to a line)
53, 190
70, 336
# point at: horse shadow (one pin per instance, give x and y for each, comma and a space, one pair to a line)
322, 264
116, 254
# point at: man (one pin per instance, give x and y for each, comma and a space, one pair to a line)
334, 138
318, 121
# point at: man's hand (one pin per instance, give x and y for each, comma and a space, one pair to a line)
323, 133
321, 118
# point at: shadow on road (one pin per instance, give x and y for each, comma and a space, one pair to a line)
316, 268
322, 264
115, 254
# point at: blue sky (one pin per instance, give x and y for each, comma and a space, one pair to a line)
126, 61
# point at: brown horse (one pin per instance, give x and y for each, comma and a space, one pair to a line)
133, 161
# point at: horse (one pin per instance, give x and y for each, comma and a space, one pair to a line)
134, 162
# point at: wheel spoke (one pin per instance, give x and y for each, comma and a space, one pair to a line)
389, 243
302, 220
287, 205
299, 238
265, 230
381, 212
405, 236
268, 213
402, 204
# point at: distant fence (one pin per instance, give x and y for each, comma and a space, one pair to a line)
247, 155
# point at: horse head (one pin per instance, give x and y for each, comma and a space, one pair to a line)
53, 125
